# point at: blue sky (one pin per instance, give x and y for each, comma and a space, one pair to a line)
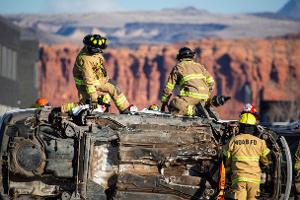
73, 6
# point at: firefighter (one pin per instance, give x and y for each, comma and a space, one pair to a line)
195, 83
41, 102
91, 78
297, 173
249, 108
243, 154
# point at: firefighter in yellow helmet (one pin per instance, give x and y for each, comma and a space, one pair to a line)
195, 83
297, 173
91, 78
243, 154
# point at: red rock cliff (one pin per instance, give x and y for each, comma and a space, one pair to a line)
267, 66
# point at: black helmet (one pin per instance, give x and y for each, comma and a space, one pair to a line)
95, 43
185, 52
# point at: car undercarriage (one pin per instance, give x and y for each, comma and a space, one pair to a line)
47, 154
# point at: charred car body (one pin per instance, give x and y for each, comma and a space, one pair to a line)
48, 155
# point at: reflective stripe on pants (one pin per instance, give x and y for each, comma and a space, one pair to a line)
245, 179
190, 110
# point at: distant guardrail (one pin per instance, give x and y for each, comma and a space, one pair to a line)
284, 127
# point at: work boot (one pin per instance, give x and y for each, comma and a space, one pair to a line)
126, 111
129, 109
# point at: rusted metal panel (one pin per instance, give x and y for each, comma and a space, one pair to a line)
103, 165
138, 169
34, 188
121, 195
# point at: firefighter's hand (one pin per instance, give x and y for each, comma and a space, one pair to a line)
266, 169
163, 107
93, 105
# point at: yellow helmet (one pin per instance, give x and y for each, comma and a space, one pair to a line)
248, 118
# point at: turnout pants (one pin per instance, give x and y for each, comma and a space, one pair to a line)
297, 173
184, 105
105, 87
245, 191
297, 188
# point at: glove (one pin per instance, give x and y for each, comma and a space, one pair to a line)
93, 105
163, 107
219, 100
266, 169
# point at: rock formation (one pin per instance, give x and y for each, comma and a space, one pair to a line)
129, 29
291, 9
266, 66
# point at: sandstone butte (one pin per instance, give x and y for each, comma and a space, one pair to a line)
271, 67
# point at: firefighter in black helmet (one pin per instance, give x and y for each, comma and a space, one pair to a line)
91, 78
195, 83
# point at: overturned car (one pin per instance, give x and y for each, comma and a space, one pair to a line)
46, 154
